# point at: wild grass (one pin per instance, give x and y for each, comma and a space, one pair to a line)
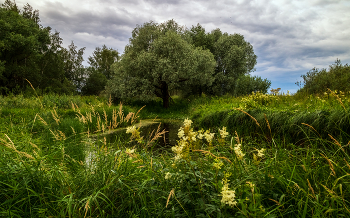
51, 166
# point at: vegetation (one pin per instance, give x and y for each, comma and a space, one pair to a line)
166, 57
56, 161
337, 77
245, 153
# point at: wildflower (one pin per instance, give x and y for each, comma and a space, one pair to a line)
192, 135
238, 151
131, 129
228, 196
181, 133
208, 136
223, 132
168, 175
261, 152
218, 164
187, 123
130, 151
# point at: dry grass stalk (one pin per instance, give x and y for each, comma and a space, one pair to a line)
156, 135
237, 138
42, 120
86, 207
42, 106
248, 115
129, 116
347, 163
120, 113
12, 146
268, 125
330, 165
55, 116
208, 152
34, 145
172, 193
312, 190
134, 118
339, 100
312, 128
110, 101
336, 142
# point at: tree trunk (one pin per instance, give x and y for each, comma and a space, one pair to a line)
165, 95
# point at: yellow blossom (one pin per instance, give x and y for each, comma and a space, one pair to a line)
218, 164
208, 136
228, 196
261, 152
223, 132
238, 151
187, 122
168, 175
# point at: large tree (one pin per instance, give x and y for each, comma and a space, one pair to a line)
233, 54
158, 60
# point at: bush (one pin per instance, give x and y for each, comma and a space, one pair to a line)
317, 81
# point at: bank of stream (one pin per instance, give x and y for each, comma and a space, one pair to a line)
147, 127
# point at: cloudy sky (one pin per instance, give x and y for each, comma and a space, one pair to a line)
290, 37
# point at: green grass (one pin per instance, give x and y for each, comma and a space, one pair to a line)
55, 168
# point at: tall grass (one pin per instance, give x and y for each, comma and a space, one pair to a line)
51, 166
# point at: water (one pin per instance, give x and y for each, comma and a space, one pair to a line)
167, 140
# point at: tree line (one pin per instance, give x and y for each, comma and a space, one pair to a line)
159, 59
32, 55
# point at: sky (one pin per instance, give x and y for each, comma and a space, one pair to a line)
290, 37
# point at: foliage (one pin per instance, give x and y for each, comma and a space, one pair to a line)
157, 61
100, 70
317, 81
235, 59
51, 165
31, 55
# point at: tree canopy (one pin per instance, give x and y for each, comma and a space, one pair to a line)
31, 52
100, 70
158, 60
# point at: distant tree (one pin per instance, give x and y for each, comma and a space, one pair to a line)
158, 60
100, 70
73, 65
102, 60
246, 84
317, 81
22, 42
30, 52
95, 82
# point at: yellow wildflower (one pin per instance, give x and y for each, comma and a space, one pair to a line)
238, 151
223, 132
228, 196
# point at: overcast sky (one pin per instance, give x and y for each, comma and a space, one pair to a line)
289, 37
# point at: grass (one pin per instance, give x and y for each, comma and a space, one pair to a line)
277, 161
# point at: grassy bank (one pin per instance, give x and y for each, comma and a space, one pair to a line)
51, 166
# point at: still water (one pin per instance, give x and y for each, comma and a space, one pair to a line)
167, 140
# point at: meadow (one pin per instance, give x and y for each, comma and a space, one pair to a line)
260, 155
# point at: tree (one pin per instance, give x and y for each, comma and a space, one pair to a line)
73, 65
30, 52
22, 42
317, 81
100, 70
158, 60
234, 58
